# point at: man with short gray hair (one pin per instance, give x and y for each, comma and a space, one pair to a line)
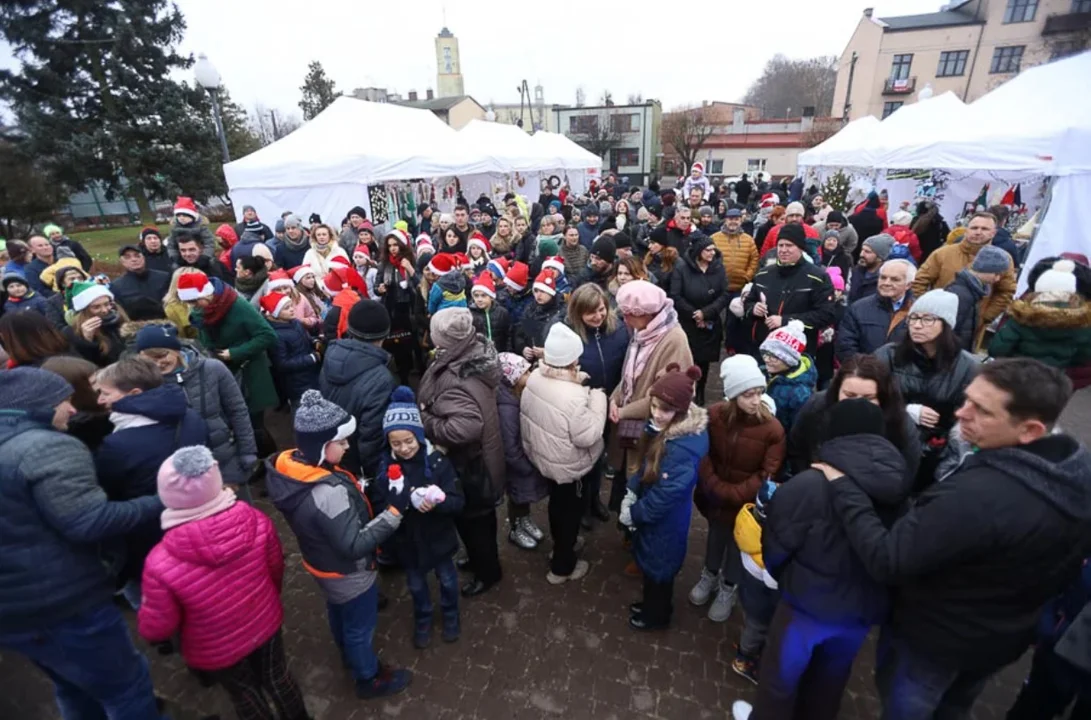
878, 319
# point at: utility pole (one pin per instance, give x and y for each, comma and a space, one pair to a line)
273, 118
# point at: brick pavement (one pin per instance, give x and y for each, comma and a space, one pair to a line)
528, 650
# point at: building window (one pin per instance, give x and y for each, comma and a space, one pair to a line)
953, 63
1020, 11
890, 107
583, 124
1081, 6
1007, 59
627, 157
754, 165
899, 69
624, 123
715, 167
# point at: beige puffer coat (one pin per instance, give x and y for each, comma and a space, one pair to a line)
562, 422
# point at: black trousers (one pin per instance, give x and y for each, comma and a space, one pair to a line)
1051, 687
565, 510
478, 533
658, 601
261, 677
592, 486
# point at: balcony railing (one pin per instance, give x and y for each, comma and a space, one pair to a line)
1067, 22
903, 86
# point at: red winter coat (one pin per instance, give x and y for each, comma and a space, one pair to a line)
218, 581
904, 236
774, 233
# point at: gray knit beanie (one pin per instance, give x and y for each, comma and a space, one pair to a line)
991, 259
318, 422
940, 303
881, 245
31, 388
451, 326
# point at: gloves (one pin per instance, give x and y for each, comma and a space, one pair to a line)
625, 517
432, 494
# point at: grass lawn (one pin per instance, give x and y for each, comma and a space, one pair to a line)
103, 243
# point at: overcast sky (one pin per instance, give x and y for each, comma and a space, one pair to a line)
677, 52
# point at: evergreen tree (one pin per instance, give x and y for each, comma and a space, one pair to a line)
94, 98
318, 91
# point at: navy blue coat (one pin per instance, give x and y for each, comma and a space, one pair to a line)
33, 272
864, 329
31, 301
603, 356
662, 512
525, 483
295, 361
588, 233
141, 295
424, 539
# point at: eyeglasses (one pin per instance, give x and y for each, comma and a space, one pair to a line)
922, 320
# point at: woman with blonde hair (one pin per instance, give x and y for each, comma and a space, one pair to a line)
324, 248
628, 269
176, 310
95, 332
503, 239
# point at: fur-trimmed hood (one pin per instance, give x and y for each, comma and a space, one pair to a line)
563, 374
1077, 314
695, 422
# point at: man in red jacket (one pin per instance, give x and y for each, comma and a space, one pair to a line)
792, 216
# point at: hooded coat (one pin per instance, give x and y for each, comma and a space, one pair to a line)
1058, 334
977, 556
524, 483
356, 376
295, 360
218, 581
662, 512
693, 289
804, 545
562, 421
245, 334
740, 456
790, 390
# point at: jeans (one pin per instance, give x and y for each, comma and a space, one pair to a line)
353, 627
417, 582
759, 602
1051, 687
565, 510
97, 673
478, 533
722, 554
914, 687
806, 666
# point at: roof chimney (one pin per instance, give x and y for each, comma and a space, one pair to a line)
868, 12
429, 94
412, 95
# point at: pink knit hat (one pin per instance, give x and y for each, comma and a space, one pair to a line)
189, 478
640, 297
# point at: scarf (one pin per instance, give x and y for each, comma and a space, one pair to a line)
224, 296
672, 226
641, 347
255, 227
250, 285
128, 421
173, 518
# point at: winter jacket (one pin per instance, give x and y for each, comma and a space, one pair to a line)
424, 539
77, 249
795, 292
969, 291
693, 289
534, 326
922, 384
295, 361
672, 348
208, 265
218, 581
524, 483
977, 556
848, 236
495, 324
197, 229
811, 235
331, 518
1057, 334
804, 546
943, 266
306, 314
54, 513
260, 230
839, 258
449, 291
740, 258
458, 406
517, 306
141, 294
356, 376
562, 422
603, 356
248, 338
868, 223
662, 276
791, 389
588, 233
160, 261
700, 182
93, 350
291, 254
740, 456
862, 283
211, 390
908, 239
870, 323
661, 515
245, 247
30, 301
1067, 622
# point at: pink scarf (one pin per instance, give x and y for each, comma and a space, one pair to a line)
641, 347
173, 518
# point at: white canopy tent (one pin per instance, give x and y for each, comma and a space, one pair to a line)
850, 147
914, 124
510, 145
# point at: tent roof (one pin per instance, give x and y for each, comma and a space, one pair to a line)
850, 147
572, 156
510, 145
358, 141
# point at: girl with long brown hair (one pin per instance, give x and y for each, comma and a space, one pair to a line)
659, 263
658, 503
30, 339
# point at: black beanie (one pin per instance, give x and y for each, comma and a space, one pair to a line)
369, 320
357, 211
836, 217
854, 417
604, 249
794, 234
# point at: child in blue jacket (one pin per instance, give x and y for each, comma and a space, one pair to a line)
792, 374
20, 295
659, 501
448, 284
294, 357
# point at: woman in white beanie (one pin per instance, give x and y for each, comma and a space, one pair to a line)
562, 421
932, 372
746, 446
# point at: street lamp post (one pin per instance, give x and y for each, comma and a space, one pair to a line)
208, 77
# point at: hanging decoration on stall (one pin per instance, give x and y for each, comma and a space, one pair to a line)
379, 206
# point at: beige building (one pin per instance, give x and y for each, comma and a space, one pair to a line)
968, 47
532, 114
455, 111
448, 66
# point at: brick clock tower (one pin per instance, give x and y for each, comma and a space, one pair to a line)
448, 66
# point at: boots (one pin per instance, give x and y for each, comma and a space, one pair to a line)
721, 607
703, 590
386, 682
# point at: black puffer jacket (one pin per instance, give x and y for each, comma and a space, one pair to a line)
795, 292
969, 291
495, 324
921, 383
294, 359
805, 547
693, 289
535, 323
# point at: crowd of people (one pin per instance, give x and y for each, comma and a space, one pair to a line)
883, 456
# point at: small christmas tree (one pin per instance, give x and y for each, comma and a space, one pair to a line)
835, 190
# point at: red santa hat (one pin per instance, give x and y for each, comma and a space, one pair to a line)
442, 264
194, 286
362, 248
768, 200
555, 263
517, 277
340, 261
462, 260
546, 282
186, 206
697, 166
300, 272
485, 284
280, 279
480, 241
275, 302
335, 280
402, 237
423, 239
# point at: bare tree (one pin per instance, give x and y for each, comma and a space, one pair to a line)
596, 133
607, 98
272, 125
635, 99
686, 130
581, 96
787, 86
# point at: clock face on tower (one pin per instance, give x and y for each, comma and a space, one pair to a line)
448, 66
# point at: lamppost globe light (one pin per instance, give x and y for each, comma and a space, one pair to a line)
206, 73
926, 92
490, 116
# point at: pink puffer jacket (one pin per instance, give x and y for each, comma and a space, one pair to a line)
218, 581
